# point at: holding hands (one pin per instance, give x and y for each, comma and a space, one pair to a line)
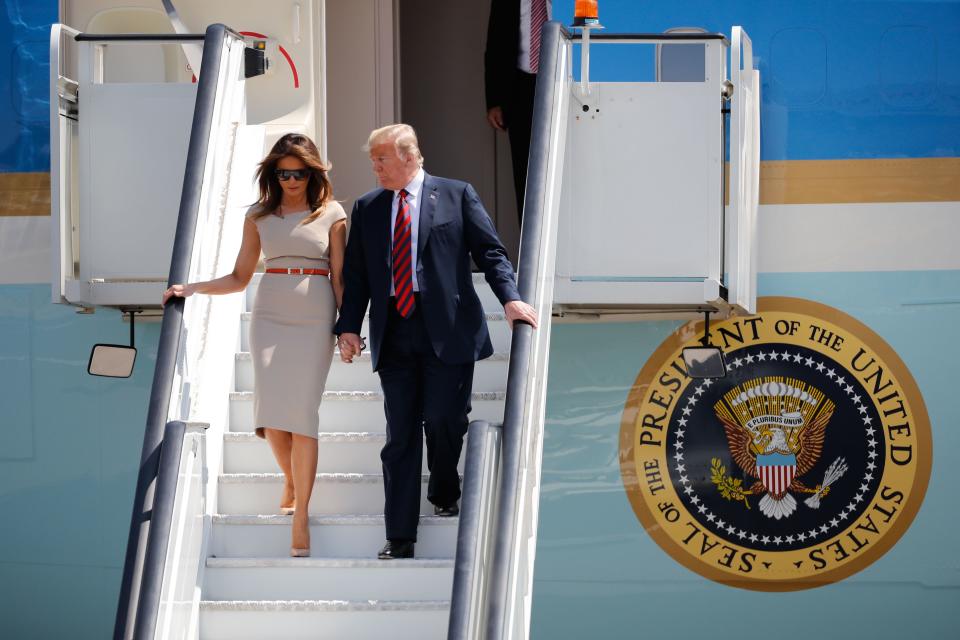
351, 345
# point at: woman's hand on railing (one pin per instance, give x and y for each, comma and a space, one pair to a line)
519, 311
178, 291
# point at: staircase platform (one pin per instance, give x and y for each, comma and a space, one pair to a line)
339, 452
313, 619
334, 536
328, 579
333, 493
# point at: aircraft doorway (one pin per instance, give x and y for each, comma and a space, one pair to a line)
440, 86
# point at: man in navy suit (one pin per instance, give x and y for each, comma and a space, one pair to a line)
408, 257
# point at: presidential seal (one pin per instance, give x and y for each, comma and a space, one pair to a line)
802, 466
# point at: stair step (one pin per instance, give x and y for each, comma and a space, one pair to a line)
327, 579
358, 410
333, 493
500, 333
336, 536
487, 299
343, 452
302, 619
490, 374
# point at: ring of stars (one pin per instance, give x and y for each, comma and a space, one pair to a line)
801, 536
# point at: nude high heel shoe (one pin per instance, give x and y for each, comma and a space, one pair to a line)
304, 552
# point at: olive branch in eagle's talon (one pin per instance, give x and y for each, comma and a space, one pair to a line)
730, 488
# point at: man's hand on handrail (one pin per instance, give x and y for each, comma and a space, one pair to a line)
517, 310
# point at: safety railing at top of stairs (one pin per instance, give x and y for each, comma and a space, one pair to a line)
219, 92
493, 574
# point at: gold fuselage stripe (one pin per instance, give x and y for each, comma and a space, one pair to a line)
781, 182
866, 181
24, 194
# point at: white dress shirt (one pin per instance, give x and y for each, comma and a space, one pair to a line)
523, 52
414, 188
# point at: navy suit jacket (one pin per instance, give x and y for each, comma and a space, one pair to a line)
454, 227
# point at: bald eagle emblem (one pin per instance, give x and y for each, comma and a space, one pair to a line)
775, 429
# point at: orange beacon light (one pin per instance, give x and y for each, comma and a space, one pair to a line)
585, 13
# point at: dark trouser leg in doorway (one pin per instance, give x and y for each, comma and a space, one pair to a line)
519, 116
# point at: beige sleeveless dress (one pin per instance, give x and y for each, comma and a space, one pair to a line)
291, 339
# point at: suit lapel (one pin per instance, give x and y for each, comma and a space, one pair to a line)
428, 203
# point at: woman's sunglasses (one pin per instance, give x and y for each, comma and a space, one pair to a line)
286, 174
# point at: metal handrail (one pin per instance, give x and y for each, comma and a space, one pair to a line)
487, 590
168, 473
535, 201
649, 37
140, 37
142, 567
474, 536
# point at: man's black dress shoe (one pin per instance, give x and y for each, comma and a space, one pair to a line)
396, 549
446, 512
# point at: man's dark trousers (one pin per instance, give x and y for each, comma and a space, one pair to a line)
422, 394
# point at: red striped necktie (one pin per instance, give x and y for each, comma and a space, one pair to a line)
538, 15
402, 255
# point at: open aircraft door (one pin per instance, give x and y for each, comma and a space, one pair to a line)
744, 188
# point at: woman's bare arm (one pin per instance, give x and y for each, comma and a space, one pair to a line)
338, 245
236, 280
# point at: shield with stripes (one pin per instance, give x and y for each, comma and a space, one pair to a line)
776, 472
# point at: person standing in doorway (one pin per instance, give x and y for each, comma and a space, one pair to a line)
408, 258
511, 62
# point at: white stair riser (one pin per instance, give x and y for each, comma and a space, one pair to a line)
487, 299
328, 498
488, 375
333, 457
500, 334
328, 583
352, 415
332, 541
297, 625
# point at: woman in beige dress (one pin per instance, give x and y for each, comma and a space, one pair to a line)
302, 233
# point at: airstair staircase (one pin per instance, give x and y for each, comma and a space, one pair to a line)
251, 588
208, 552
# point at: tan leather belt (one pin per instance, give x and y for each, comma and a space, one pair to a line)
298, 271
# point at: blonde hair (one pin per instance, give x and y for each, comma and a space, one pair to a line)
403, 136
